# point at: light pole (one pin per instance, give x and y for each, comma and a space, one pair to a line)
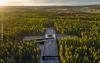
2, 32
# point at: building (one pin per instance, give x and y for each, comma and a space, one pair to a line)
50, 33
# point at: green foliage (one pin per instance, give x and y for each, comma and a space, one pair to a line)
73, 50
22, 21
21, 52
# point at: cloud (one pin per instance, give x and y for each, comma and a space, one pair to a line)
71, 2
51, 2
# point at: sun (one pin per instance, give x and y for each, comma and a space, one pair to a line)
2, 2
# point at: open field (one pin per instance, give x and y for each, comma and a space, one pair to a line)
21, 21
30, 21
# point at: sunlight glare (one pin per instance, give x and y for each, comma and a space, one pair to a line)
2, 2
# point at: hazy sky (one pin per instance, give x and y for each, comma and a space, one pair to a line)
48, 2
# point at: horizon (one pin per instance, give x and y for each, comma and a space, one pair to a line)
45, 5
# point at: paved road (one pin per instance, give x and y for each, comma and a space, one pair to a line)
49, 51
51, 61
50, 48
33, 37
42, 37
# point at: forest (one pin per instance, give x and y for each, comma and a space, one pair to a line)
26, 21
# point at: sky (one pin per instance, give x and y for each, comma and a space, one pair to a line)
47, 2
